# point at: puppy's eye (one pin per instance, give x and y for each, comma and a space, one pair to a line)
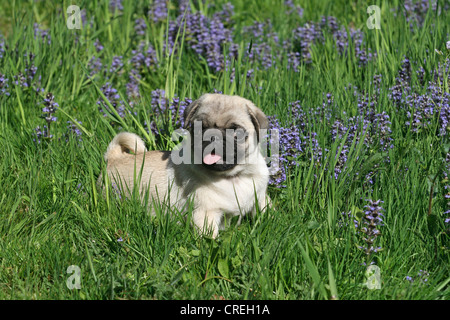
240, 134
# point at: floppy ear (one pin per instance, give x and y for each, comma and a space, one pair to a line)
259, 119
189, 113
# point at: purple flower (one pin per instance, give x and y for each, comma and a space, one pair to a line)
50, 107
371, 221
116, 64
143, 57
312, 33
2, 48
159, 101
140, 26
203, 35
343, 221
98, 46
133, 86
176, 109
94, 66
172, 110
26, 78
290, 146
415, 12
41, 133
306, 36
72, 129
293, 60
293, 8
43, 34
4, 86
158, 10
422, 276
113, 98
422, 110
115, 5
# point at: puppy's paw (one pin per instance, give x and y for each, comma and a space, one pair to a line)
207, 223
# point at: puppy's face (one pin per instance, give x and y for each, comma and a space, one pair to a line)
225, 130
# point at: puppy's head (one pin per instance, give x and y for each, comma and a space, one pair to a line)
226, 130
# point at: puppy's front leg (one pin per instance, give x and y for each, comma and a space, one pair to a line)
207, 222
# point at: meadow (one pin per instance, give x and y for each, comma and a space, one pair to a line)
361, 101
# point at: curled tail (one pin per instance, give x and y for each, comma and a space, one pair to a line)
124, 142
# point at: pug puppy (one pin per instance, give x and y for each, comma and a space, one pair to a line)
219, 166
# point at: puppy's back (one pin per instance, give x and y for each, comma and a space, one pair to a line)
128, 159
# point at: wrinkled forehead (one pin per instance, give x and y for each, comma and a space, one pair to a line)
222, 111
224, 100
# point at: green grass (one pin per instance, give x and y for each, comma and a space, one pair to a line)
52, 215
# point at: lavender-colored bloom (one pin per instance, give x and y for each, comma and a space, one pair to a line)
41, 134
159, 101
256, 29
140, 26
422, 277
21, 80
415, 12
94, 66
43, 34
262, 53
50, 107
313, 33
133, 86
83, 17
304, 37
98, 46
158, 10
166, 110
421, 110
116, 64
176, 109
293, 8
113, 98
143, 57
289, 150
264, 46
152, 128
226, 14
372, 220
26, 78
4, 86
294, 59
2, 48
203, 35
382, 130
72, 129
346, 216
115, 5
116, 191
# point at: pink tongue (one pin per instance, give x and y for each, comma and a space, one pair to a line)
211, 158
